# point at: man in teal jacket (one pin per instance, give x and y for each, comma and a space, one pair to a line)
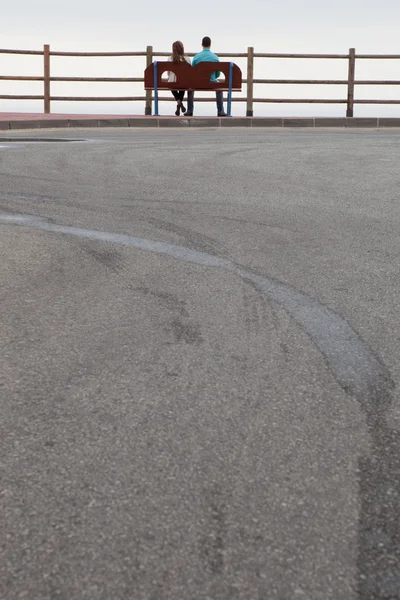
207, 56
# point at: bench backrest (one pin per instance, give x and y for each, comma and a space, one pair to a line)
193, 78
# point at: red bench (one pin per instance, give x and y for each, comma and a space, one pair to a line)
195, 78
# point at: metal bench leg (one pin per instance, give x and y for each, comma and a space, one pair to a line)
230, 90
155, 89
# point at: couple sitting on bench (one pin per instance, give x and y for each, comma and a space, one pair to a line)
178, 56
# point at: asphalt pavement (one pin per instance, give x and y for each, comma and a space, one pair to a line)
199, 358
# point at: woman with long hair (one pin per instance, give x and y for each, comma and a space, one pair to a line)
178, 56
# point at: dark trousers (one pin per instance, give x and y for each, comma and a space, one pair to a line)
219, 96
178, 95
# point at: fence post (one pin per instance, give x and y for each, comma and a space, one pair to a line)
46, 79
149, 60
350, 82
250, 78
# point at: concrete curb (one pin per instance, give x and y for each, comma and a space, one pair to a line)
195, 122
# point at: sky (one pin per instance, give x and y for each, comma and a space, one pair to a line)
291, 26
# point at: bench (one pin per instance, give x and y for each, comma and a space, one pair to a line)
195, 78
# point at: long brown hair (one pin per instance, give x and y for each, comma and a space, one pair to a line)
178, 52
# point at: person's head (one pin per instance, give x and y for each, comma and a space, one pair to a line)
206, 42
178, 52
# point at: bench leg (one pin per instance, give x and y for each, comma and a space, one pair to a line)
230, 90
155, 89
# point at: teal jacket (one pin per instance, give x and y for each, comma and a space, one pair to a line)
207, 56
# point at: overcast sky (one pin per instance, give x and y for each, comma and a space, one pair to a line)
284, 26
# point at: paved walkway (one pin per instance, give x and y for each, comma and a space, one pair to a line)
40, 121
17, 116
199, 365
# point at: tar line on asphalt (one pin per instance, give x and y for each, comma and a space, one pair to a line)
356, 368
354, 365
33, 140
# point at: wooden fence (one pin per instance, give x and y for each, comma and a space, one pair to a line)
149, 55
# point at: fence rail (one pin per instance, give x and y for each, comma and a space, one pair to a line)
149, 54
